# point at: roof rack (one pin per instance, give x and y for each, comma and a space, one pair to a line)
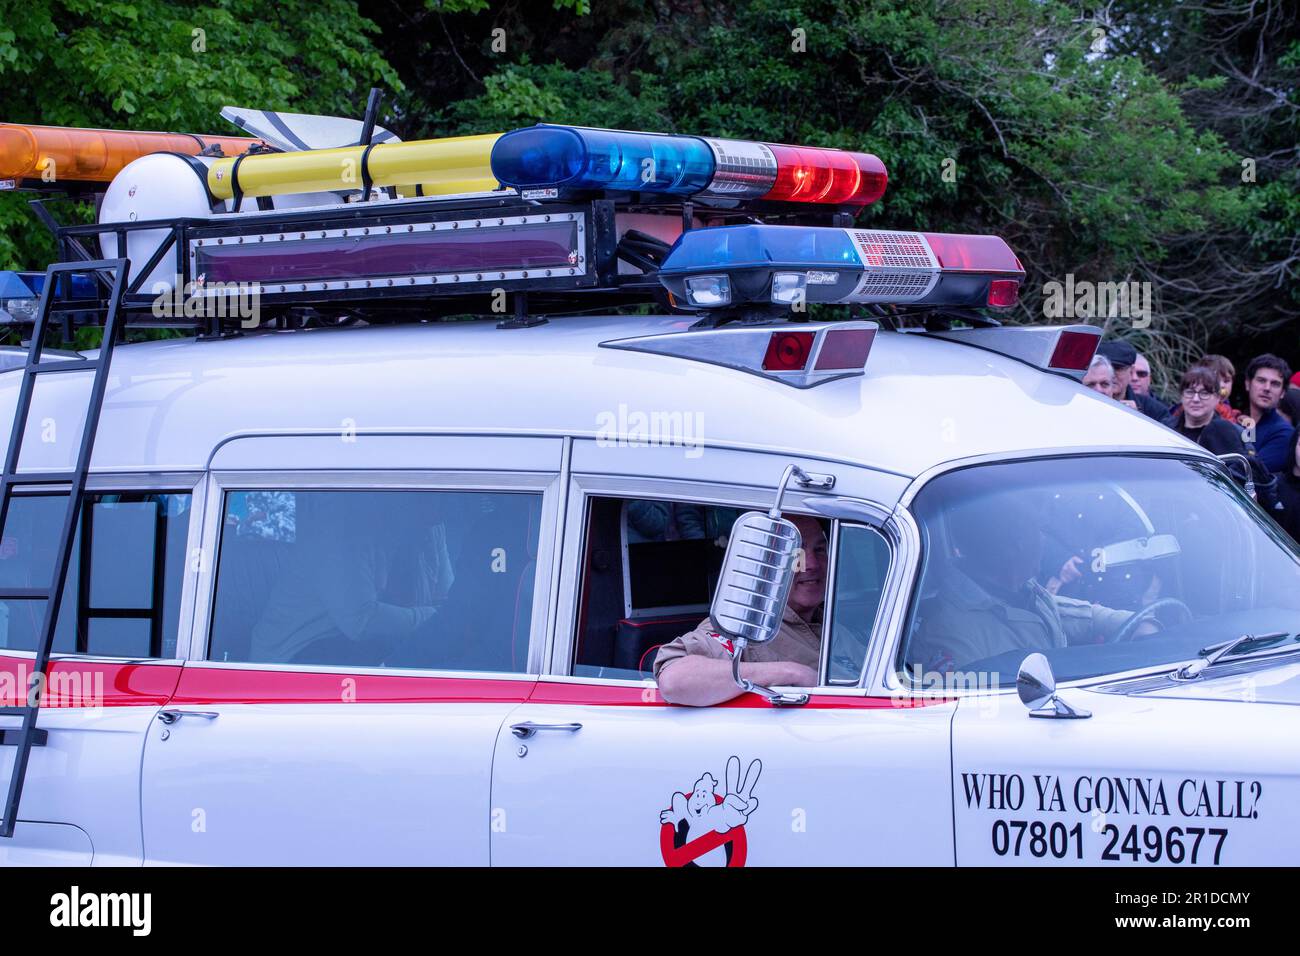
558, 219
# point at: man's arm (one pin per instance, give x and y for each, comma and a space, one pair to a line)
697, 680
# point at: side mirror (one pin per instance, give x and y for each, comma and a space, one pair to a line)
756, 576
754, 585
1036, 685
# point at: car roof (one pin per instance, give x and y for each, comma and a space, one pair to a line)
922, 402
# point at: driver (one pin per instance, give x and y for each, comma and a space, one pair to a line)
990, 601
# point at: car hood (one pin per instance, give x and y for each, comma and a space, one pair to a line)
1244, 682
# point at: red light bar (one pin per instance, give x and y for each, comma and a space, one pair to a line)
1074, 351
831, 176
845, 349
965, 253
1003, 293
788, 351
798, 354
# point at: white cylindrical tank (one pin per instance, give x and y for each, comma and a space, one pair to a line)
157, 186
169, 186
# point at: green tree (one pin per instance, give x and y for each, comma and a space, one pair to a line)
169, 65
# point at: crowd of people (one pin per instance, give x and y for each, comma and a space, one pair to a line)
1264, 430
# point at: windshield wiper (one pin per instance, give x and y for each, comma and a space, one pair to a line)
1245, 646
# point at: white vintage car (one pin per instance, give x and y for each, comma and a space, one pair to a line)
391, 593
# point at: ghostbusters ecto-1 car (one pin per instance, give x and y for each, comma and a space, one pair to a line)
352, 576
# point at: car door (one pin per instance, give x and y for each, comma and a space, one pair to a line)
367, 633
115, 662
597, 769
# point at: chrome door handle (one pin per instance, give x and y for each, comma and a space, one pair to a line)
528, 728
171, 716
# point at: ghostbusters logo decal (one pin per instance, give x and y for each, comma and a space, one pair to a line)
707, 828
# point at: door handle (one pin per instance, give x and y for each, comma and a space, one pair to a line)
170, 717
528, 728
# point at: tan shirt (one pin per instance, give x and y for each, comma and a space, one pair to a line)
796, 641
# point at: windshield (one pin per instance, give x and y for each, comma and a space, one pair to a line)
1056, 556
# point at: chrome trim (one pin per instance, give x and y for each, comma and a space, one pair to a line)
905, 539
171, 716
1034, 454
828, 608
529, 728
349, 670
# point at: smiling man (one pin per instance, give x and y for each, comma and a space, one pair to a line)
695, 669
1266, 377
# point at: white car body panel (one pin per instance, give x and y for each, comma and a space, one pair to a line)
437, 778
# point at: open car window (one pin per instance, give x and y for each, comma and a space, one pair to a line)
650, 569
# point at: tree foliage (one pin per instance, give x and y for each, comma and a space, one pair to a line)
172, 65
1104, 141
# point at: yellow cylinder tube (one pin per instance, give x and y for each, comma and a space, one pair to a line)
441, 166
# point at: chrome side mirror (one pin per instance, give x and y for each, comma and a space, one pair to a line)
755, 582
1036, 685
756, 577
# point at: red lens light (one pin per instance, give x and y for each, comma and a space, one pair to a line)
828, 176
1003, 293
788, 351
958, 253
845, 349
1074, 351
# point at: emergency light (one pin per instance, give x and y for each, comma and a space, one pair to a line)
725, 266
398, 254
799, 354
570, 157
57, 154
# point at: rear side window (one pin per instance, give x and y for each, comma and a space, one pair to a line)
418, 579
122, 596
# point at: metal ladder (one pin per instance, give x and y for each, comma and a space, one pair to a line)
27, 735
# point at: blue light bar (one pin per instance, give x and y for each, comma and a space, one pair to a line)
576, 158
795, 265
742, 247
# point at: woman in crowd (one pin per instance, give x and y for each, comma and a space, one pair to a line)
1196, 416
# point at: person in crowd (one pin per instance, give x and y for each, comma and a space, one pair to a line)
1227, 374
1287, 512
1122, 357
1141, 380
1266, 378
1289, 406
1195, 418
1100, 376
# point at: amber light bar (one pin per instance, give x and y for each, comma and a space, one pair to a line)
60, 154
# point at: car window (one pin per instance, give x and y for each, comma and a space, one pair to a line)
122, 595
650, 569
417, 579
861, 567
1048, 556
